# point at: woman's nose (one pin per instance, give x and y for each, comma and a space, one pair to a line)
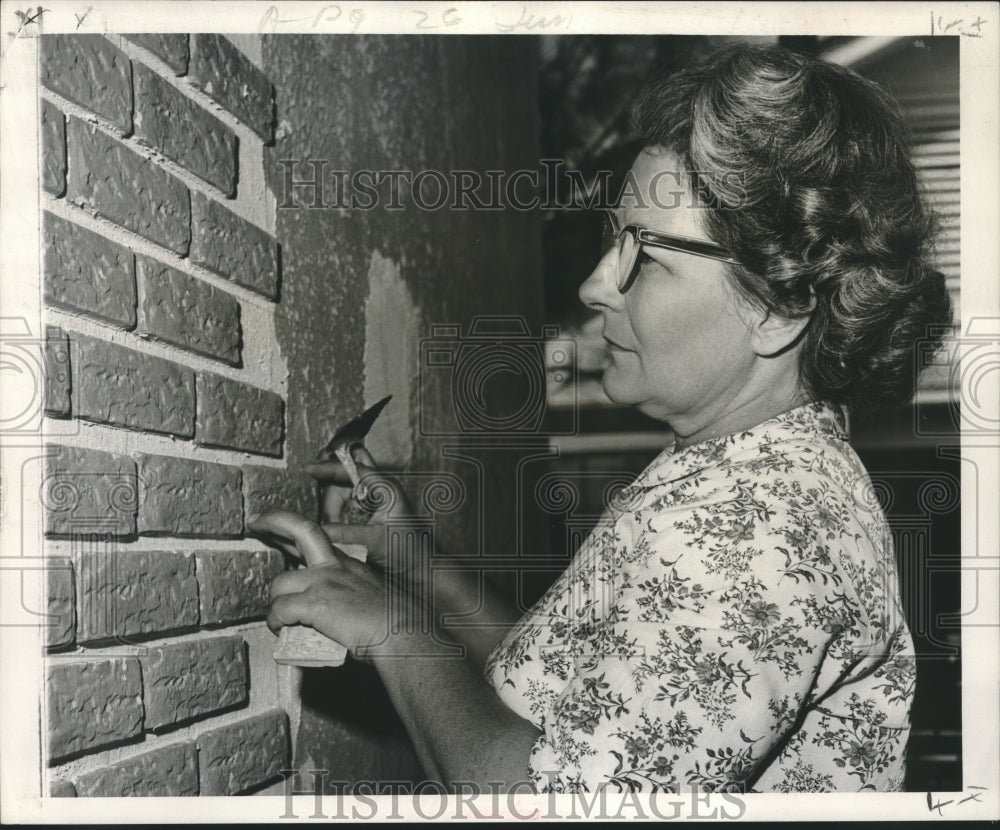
600, 290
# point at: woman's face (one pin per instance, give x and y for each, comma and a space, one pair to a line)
679, 338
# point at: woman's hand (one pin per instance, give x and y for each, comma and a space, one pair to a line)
340, 597
384, 491
457, 591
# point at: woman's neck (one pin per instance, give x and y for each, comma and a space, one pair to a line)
736, 418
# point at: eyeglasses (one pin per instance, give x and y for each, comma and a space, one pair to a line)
630, 238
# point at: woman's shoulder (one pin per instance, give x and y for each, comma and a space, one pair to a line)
788, 462
793, 498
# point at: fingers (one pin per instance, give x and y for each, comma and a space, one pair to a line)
329, 471
332, 503
371, 536
271, 540
291, 582
287, 610
311, 543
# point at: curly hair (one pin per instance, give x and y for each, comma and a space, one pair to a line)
825, 213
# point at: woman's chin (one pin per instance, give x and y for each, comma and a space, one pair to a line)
616, 387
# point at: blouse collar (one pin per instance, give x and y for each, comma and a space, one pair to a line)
811, 423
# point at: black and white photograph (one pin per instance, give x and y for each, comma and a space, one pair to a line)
499, 411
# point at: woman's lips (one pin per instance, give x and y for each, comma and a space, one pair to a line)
615, 346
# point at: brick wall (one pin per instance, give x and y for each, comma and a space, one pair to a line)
161, 283
202, 343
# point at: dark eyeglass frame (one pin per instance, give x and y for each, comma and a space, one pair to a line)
655, 239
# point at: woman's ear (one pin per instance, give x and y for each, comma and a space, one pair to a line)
772, 334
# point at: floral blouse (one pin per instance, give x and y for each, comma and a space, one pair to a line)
732, 623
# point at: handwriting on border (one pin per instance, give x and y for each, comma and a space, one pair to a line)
529, 22
26, 19
425, 20
947, 25
935, 803
329, 15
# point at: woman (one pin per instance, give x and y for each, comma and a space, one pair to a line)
733, 622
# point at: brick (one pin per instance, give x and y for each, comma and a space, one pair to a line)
60, 625
91, 72
192, 678
184, 311
89, 492
61, 788
235, 585
86, 273
182, 131
114, 182
237, 416
170, 770
92, 703
233, 248
53, 149
267, 488
234, 758
123, 593
173, 50
125, 388
183, 497
230, 79
57, 373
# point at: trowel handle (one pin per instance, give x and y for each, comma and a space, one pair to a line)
300, 645
355, 510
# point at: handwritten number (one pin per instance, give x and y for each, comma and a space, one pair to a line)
939, 805
932, 807
356, 17
448, 18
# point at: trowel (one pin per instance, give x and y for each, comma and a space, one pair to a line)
300, 645
356, 511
